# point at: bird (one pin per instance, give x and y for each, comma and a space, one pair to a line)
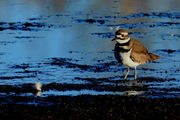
131, 52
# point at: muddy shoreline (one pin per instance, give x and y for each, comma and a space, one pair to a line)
105, 107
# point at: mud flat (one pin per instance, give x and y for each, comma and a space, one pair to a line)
101, 107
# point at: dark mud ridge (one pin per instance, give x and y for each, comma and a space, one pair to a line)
20, 101
88, 107
28, 26
91, 21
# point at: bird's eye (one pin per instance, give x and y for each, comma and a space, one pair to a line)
122, 35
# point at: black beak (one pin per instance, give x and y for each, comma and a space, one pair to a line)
113, 39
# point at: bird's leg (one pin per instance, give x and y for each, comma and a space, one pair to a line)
127, 73
135, 73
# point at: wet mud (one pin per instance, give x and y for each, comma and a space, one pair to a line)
89, 97
93, 107
91, 21
27, 26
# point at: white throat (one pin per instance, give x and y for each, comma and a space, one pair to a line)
122, 41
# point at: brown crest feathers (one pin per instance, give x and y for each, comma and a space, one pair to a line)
120, 31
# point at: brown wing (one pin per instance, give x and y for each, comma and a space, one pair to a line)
139, 53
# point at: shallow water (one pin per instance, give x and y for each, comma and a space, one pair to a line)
67, 47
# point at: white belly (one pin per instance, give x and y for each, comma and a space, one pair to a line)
126, 60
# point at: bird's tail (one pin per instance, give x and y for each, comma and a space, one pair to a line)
153, 56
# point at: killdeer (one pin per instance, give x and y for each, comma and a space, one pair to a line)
131, 52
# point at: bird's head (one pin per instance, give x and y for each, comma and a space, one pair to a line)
121, 35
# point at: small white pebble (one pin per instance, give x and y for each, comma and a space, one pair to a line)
38, 86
